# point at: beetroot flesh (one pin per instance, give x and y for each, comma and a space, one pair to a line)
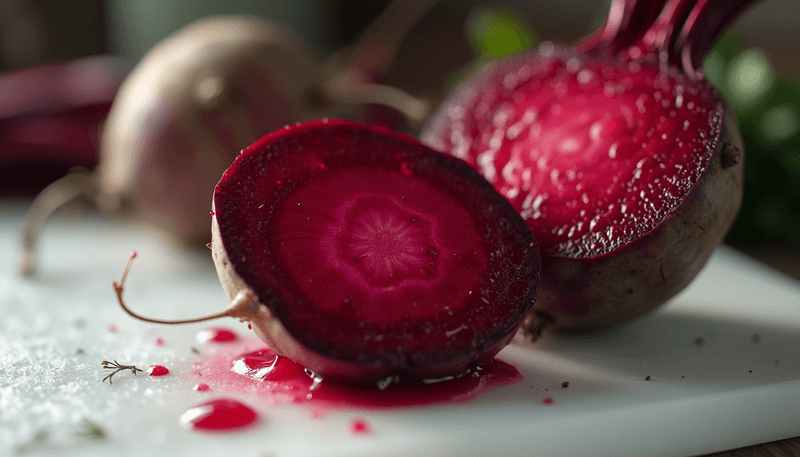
372, 255
621, 161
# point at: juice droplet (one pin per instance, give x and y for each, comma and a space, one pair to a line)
208, 245
158, 342
405, 168
157, 370
217, 335
133, 254
265, 365
202, 387
548, 401
218, 415
112, 328
359, 426
212, 213
565, 384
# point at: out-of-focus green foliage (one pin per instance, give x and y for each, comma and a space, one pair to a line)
493, 32
498, 32
767, 106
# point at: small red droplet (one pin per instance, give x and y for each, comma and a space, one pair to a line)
217, 335
157, 370
158, 342
133, 254
202, 387
112, 329
406, 169
565, 384
218, 415
208, 245
359, 426
647, 378
548, 401
212, 213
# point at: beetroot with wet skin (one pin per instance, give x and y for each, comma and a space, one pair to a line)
622, 159
360, 253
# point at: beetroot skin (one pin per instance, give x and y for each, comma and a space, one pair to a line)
624, 162
361, 253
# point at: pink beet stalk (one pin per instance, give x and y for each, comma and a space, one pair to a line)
626, 21
705, 23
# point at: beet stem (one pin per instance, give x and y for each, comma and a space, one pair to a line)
705, 23
50, 199
119, 288
375, 49
662, 34
346, 89
626, 22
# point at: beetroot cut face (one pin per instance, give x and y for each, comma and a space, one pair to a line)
370, 254
593, 152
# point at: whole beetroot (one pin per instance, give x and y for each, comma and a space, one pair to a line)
181, 116
623, 160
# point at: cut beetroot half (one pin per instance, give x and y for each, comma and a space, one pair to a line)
622, 159
370, 254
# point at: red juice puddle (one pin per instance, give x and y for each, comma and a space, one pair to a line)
218, 415
278, 380
157, 370
217, 335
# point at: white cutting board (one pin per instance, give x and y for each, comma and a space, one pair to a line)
741, 386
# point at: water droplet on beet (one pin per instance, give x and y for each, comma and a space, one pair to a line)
219, 415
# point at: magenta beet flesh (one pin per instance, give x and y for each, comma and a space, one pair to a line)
377, 255
623, 161
593, 153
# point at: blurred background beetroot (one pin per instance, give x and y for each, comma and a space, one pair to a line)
61, 64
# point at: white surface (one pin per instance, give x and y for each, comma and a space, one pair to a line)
729, 392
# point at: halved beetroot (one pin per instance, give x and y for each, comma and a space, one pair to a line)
622, 159
361, 253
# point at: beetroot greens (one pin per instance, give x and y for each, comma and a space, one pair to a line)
623, 160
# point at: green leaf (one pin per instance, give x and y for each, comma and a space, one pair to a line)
498, 32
